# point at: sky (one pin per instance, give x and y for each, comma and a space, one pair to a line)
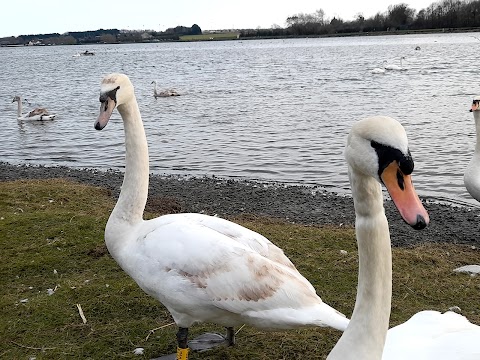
27, 17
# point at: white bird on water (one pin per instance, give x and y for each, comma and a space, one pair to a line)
35, 114
395, 67
163, 93
471, 177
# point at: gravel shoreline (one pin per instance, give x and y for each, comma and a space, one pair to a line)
299, 204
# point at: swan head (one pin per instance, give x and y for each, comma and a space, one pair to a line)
16, 98
475, 104
116, 90
378, 147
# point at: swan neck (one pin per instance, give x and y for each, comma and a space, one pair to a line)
365, 335
476, 116
134, 192
19, 108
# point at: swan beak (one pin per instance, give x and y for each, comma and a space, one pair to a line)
401, 190
475, 106
106, 110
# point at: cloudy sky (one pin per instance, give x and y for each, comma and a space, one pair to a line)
59, 16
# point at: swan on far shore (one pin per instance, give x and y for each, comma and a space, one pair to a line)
163, 93
377, 153
201, 268
471, 177
35, 114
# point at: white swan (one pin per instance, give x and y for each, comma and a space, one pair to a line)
431, 335
395, 67
377, 152
202, 268
164, 93
471, 177
378, 70
35, 114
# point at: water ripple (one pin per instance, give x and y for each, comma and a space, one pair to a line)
274, 110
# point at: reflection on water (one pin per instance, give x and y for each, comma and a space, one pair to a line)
274, 110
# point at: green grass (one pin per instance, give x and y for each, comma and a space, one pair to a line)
203, 37
58, 225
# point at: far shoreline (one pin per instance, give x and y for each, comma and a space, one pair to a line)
191, 38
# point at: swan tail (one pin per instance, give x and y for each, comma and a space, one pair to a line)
319, 315
328, 316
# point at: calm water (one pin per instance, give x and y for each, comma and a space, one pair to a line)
275, 110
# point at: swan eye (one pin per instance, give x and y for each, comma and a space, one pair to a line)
387, 154
400, 180
406, 164
112, 94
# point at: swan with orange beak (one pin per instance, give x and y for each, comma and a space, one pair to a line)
392, 164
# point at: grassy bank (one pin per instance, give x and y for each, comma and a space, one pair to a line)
203, 37
51, 235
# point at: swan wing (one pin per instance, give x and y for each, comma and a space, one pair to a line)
431, 335
38, 111
37, 117
205, 269
244, 236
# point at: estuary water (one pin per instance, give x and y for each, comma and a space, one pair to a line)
269, 110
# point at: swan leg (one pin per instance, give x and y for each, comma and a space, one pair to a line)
182, 347
209, 341
182, 344
230, 336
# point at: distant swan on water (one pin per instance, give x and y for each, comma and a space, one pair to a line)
378, 70
164, 93
471, 177
395, 67
35, 114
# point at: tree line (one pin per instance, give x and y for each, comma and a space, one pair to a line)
102, 36
446, 14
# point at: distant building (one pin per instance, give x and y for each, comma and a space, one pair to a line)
34, 43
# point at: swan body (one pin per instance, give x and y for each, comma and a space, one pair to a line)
164, 93
431, 335
201, 268
378, 70
35, 114
471, 177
